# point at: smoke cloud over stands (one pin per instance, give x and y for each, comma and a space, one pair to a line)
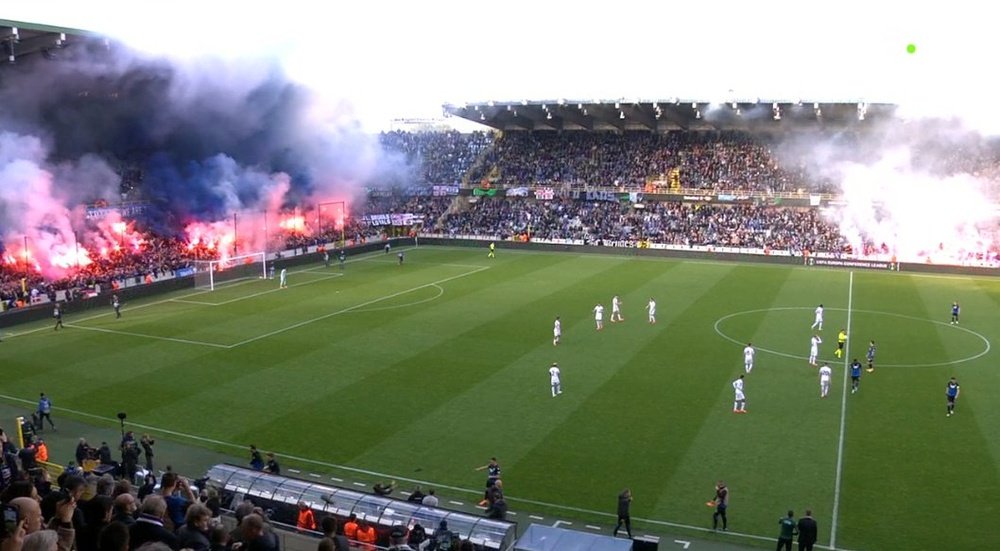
209, 137
924, 190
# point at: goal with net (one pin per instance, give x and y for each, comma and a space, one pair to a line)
209, 274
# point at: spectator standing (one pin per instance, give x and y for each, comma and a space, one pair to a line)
397, 539
147, 450
195, 532
178, 496
149, 526
807, 531
45, 411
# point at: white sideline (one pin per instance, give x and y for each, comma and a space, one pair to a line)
843, 419
605, 514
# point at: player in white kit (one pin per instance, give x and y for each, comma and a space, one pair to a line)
739, 399
599, 316
616, 309
651, 307
825, 374
283, 279
814, 343
748, 353
556, 331
818, 323
554, 379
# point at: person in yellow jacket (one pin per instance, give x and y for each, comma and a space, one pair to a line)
41, 450
306, 520
366, 535
841, 340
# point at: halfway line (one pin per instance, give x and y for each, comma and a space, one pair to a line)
843, 419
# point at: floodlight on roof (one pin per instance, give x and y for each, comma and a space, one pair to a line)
491, 103
524, 102
579, 106
774, 105
734, 105
561, 101
618, 105
816, 105
510, 107
694, 105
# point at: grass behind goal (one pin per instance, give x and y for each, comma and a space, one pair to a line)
424, 371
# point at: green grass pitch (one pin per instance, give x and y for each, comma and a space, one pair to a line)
424, 371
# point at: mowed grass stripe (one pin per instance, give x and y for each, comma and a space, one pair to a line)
373, 356
512, 403
899, 418
648, 377
746, 450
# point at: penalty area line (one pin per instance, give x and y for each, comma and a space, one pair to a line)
355, 307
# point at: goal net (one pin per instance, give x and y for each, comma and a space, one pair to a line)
212, 273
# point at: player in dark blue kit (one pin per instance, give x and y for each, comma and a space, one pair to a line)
955, 309
951, 392
342, 257
492, 476
855, 376
871, 356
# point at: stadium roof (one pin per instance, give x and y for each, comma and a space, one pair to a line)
673, 114
19, 40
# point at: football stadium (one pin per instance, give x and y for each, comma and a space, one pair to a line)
603, 324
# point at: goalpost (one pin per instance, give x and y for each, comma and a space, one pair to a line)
210, 273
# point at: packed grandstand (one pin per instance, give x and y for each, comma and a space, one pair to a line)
716, 190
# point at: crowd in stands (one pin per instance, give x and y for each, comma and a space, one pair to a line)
731, 161
747, 226
720, 161
99, 504
439, 157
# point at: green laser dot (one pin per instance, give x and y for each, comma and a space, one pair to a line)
911, 48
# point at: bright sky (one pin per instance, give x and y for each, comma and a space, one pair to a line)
406, 58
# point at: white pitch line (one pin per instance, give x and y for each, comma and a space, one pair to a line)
592, 527
456, 503
843, 420
159, 338
477, 492
536, 517
355, 307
